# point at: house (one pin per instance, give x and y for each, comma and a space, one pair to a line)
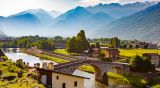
55, 79
152, 46
112, 54
95, 52
154, 57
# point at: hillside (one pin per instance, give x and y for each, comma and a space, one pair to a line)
144, 25
93, 17
14, 75
117, 10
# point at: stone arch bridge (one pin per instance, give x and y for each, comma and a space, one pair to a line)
100, 67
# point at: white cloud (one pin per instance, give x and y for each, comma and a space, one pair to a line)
94, 2
8, 7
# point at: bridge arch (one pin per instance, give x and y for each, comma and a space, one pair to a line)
100, 68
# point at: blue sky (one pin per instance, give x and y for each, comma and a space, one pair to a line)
9, 7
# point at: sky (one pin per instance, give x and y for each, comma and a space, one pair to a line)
10, 7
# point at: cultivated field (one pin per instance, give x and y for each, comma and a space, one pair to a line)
133, 52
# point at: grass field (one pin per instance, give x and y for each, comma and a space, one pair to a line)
9, 77
133, 52
61, 51
128, 78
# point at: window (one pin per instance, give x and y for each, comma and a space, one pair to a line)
75, 83
64, 85
57, 77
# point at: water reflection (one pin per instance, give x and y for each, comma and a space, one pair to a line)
15, 54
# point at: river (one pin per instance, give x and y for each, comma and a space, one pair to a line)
15, 54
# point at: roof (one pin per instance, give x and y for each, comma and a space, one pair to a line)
53, 71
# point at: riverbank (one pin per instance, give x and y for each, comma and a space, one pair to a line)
12, 76
129, 78
85, 68
45, 57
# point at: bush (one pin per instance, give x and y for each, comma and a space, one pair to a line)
128, 78
14, 69
156, 86
141, 64
9, 78
20, 63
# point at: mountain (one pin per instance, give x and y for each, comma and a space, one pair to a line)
43, 16
20, 24
55, 13
97, 20
28, 22
144, 25
92, 18
77, 14
78, 18
71, 21
117, 11
27, 18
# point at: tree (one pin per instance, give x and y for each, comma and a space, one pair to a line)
82, 43
71, 45
58, 38
115, 42
137, 46
141, 64
97, 45
20, 64
145, 46
124, 46
77, 44
130, 46
45, 44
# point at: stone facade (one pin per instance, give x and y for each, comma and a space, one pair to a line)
53, 79
112, 54
60, 80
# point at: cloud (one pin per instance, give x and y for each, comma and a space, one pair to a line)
132, 1
94, 2
9, 7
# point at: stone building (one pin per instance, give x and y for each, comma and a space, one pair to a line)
154, 57
112, 54
95, 52
53, 79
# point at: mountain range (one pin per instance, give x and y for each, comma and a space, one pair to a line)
144, 25
92, 18
129, 21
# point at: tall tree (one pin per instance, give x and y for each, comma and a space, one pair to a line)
115, 42
82, 42
71, 45
77, 44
